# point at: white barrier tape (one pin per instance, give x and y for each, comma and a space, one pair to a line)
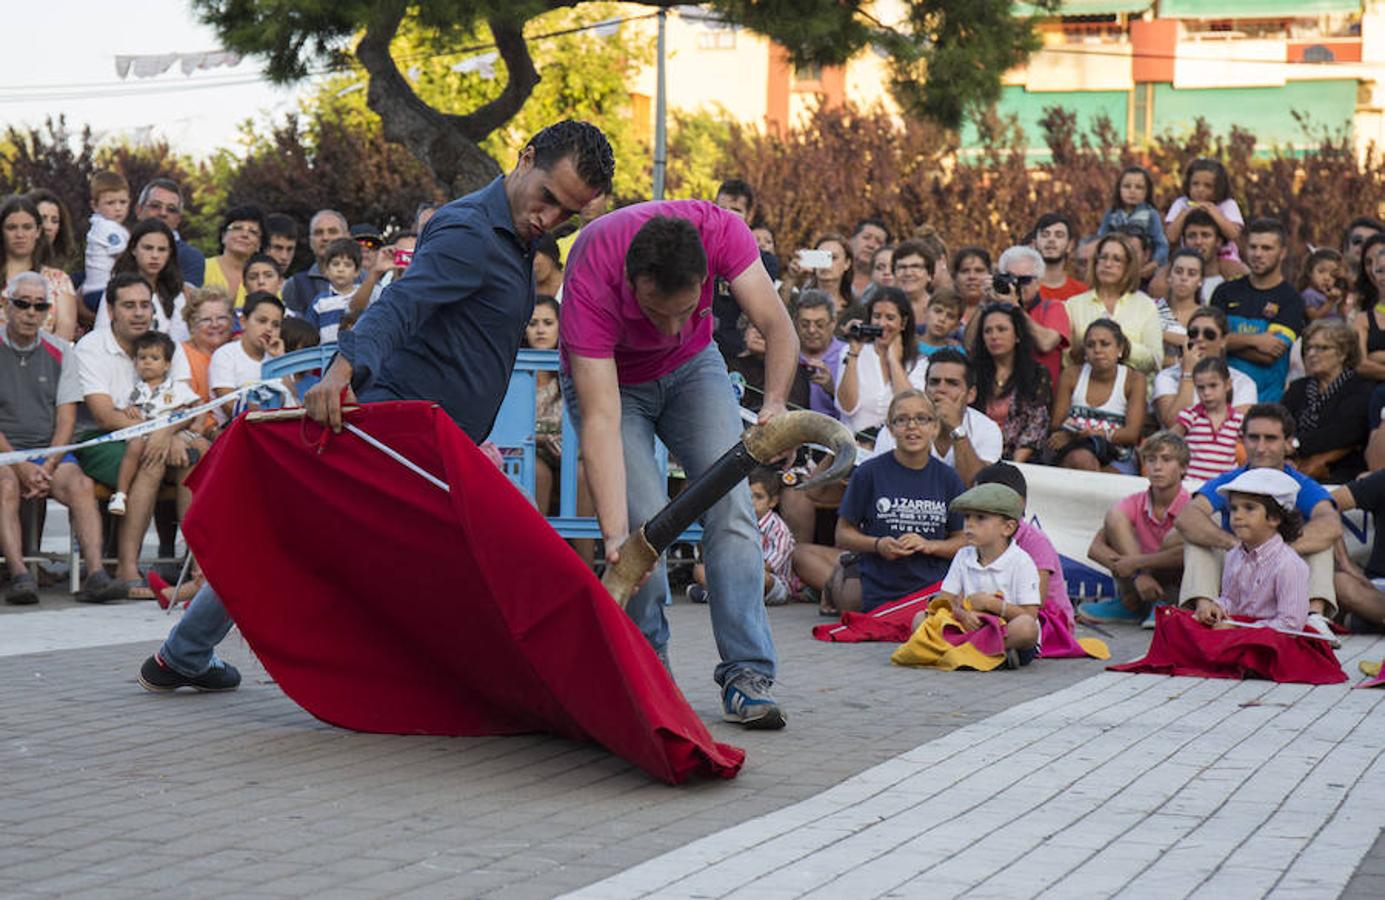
139, 429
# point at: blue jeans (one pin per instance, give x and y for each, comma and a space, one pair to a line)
693, 411
189, 647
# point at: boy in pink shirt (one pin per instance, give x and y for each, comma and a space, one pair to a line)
639, 363
1137, 541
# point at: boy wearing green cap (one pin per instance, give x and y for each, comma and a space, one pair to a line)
993, 575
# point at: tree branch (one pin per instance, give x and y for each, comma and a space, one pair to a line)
522, 76
438, 139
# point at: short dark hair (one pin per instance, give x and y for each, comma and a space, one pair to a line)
151, 339
1130, 229
735, 187
297, 333
1290, 520
956, 357
258, 298
669, 252
1276, 411
342, 247
547, 245
1049, 219
878, 222
121, 280
584, 143
767, 477
1203, 218
1370, 222
281, 225
914, 248
1268, 225
245, 213
257, 258
1006, 474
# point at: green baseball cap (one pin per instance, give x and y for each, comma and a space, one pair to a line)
994, 498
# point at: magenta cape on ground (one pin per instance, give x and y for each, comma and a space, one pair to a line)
380, 602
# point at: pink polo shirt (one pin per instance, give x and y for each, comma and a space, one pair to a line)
1150, 532
600, 317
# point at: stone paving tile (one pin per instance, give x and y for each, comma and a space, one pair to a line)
245, 794
983, 810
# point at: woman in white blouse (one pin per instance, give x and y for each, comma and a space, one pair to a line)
873, 371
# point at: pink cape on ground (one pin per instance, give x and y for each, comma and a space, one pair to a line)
1184, 646
380, 602
893, 623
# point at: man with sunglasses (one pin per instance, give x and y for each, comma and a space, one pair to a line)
1358, 231
162, 199
1019, 279
39, 394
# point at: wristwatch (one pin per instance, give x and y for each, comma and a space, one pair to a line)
959, 433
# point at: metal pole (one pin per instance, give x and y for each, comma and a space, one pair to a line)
660, 114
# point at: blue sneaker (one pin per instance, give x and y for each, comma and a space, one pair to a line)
1148, 623
746, 700
1112, 611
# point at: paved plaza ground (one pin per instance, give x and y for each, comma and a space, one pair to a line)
1057, 780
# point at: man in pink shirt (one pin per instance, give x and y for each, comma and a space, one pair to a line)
1137, 542
639, 362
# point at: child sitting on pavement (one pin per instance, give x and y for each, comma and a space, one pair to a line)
1137, 541
777, 543
991, 574
154, 395
1263, 578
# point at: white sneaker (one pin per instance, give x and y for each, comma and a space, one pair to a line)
1318, 622
117, 504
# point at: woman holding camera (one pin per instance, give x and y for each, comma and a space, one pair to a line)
881, 359
1116, 295
826, 267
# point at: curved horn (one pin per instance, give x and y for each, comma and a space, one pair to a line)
786, 431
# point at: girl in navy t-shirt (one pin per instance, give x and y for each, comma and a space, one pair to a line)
894, 515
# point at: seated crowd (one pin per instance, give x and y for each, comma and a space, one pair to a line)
1179, 348
140, 324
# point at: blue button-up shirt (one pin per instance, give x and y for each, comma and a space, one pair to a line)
450, 328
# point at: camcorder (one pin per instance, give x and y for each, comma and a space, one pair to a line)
862, 332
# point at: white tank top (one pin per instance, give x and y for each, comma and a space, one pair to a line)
1109, 417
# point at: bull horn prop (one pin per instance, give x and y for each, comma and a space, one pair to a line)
758, 446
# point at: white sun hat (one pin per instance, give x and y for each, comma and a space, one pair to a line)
1274, 483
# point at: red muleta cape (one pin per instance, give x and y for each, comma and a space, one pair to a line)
380, 602
1184, 646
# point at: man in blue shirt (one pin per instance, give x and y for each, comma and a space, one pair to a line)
1205, 522
305, 287
447, 331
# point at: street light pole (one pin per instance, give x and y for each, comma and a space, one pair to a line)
660, 114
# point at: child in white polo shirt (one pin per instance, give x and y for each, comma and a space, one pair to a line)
991, 574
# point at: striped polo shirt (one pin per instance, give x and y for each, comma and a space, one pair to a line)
1213, 451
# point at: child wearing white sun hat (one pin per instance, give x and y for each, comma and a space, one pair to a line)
1263, 578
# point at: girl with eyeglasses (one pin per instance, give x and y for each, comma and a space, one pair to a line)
894, 518
1174, 390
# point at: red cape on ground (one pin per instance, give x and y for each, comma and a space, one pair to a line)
1184, 646
380, 602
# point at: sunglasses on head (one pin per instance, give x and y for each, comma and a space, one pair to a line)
1207, 334
40, 305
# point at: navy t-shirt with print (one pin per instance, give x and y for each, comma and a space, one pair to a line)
1249, 310
887, 499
